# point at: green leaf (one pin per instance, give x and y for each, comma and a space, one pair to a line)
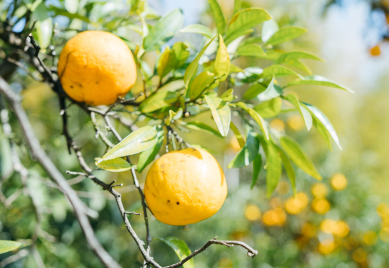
222, 61
71, 6
251, 50
198, 28
277, 71
157, 101
164, 30
302, 110
166, 62
138, 141
7, 246
180, 248
257, 118
197, 125
44, 30
285, 34
244, 20
248, 152
174, 85
218, 16
235, 69
221, 113
257, 166
254, 91
269, 108
251, 40
294, 55
181, 52
200, 83
299, 156
272, 91
192, 67
228, 95
273, 166
318, 81
289, 169
63, 12
250, 74
298, 64
114, 165
237, 6
6, 164
148, 156
269, 28
320, 119
238, 136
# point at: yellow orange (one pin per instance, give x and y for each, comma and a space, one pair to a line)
375, 51
338, 181
96, 67
252, 212
326, 246
295, 122
319, 190
320, 205
185, 186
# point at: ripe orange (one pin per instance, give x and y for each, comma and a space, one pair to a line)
185, 186
96, 68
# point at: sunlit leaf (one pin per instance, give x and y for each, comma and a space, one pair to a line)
285, 34
197, 28
228, 95
200, 83
237, 6
44, 30
317, 80
244, 20
158, 100
221, 113
192, 67
167, 61
254, 91
299, 156
138, 141
71, 6
248, 152
197, 125
238, 136
297, 55
218, 16
269, 108
222, 61
273, 166
302, 110
272, 91
148, 156
257, 118
114, 165
7, 246
251, 50
322, 119
257, 166
180, 248
164, 30
174, 85
278, 70
298, 64
235, 69
289, 169
250, 74
181, 52
269, 28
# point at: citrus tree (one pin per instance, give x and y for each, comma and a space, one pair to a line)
142, 87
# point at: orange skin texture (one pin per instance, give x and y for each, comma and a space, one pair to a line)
96, 68
185, 186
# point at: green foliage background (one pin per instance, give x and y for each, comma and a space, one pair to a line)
278, 246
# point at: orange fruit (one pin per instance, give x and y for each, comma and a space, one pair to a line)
375, 51
96, 68
185, 186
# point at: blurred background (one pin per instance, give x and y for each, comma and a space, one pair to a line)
341, 222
